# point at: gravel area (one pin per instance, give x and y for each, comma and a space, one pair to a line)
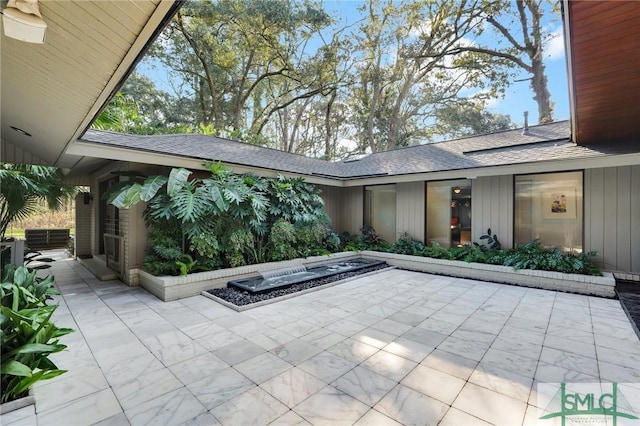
242, 297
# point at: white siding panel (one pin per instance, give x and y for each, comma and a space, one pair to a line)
492, 207
410, 209
332, 205
353, 209
612, 217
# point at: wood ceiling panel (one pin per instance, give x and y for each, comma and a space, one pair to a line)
605, 37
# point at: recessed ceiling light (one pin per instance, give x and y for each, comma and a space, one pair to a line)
19, 130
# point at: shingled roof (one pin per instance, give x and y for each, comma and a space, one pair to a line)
541, 143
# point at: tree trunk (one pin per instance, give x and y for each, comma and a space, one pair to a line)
541, 92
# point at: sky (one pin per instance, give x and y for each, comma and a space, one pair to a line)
518, 96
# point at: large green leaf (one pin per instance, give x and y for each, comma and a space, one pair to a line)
36, 348
124, 197
177, 179
15, 368
151, 186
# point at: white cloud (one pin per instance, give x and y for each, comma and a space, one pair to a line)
555, 48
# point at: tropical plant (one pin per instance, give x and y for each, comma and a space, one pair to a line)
491, 241
24, 185
226, 218
406, 245
28, 334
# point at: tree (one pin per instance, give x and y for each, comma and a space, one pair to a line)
24, 185
412, 63
524, 44
468, 119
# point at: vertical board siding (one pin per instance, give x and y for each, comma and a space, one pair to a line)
351, 209
612, 217
410, 209
332, 205
492, 207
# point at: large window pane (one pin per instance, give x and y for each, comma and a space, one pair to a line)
380, 210
548, 207
449, 213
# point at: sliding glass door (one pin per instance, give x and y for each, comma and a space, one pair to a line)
449, 212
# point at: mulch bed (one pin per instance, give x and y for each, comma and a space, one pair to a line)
242, 297
629, 295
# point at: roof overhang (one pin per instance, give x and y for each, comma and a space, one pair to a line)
53, 91
602, 41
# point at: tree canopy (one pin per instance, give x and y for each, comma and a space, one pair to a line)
288, 75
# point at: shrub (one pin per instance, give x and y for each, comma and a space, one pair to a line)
28, 335
406, 245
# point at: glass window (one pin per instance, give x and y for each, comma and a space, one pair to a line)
548, 207
380, 210
449, 213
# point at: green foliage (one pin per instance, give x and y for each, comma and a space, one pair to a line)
533, 256
24, 186
225, 219
406, 245
28, 335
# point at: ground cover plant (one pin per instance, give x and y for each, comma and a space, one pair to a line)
531, 255
226, 219
28, 334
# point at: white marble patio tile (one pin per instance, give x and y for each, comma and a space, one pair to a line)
409, 407
21, 416
389, 365
424, 336
118, 354
409, 349
620, 374
614, 331
364, 385
331, 406
327, 366
455, 417
374, 337
520, 334
87, 410
450, 363
321, 319
569, 361
293, 386
171, 408
438, 326
238, 352
434, 383
353, 350
523, 365
262, 367
548, 373
376, 418
203, 419
465, 348
194, 369
131, 369
201, 330
517, 346
631, 346
612, 356
365, 318
220, 387
481, 325
502, 381
232, 319
296, 351
117, 420
408, 318
346, 327
322, 338
174, 347
587, 349
145, 388
382, 310
253, 407
297, 328
490, 406
76, 383
474, 335
290, 418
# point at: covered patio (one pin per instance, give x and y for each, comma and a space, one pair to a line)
396, 347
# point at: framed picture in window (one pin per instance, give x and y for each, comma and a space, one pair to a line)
559, 203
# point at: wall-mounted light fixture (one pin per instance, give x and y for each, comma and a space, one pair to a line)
457, 190
86, 198
21, 19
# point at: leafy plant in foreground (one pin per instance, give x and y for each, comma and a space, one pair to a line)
28, 334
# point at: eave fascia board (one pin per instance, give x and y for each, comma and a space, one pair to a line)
107, 152
160, 14
566, 24
510, 169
